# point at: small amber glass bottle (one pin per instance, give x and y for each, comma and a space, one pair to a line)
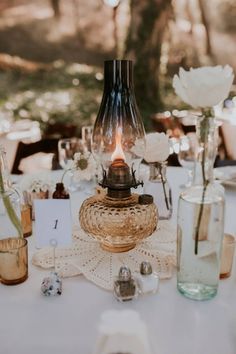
60, 192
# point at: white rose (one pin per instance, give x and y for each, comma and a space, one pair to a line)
139, 147
204, 87
157, 147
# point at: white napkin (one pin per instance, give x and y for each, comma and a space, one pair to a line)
122, 332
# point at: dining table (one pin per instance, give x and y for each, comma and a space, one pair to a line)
31, 323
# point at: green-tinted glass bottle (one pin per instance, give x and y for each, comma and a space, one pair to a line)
10, 211
201, 222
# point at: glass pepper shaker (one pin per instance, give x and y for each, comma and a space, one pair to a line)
60, 192
147, 280
125, 287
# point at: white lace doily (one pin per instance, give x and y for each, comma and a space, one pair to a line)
87, 257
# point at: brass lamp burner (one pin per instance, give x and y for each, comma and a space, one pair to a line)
119, 219
119, 180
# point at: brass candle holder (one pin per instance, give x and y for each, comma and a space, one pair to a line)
119, 219
13, 261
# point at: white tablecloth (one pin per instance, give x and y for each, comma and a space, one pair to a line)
33, 324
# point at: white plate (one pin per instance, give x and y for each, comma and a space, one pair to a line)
226, 175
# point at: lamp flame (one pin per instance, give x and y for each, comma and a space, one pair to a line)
118, 154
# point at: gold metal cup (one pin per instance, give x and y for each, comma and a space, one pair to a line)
13, 261
227, 255
26, 219
36, 195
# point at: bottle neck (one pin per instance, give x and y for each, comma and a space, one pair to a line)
5, 182
157, 171
118, 75
60, 187
207, 135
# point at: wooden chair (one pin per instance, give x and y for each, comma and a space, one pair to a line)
26, 150
60, 130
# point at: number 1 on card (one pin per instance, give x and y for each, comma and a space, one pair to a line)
56, 222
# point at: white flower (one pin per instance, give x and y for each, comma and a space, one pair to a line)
84, 166
38, 186
157, 147
204, 87
139, 147
125, 321
122, 331
36, 183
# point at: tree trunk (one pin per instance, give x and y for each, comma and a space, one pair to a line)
207, 27
149, 19
56, 8
115, 30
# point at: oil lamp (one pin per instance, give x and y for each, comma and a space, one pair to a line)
120, 218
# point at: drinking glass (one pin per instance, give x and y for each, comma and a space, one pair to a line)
13, 261
87, 132
66, 150
186, 155
227, 255
26, 219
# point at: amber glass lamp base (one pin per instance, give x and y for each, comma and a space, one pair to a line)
117, 249
118, 224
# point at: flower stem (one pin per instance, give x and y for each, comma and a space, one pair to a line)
204, 130
200, 218
164, 190
9, 208
64, 173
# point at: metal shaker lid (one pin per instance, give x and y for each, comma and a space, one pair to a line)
124, 273
145, 199
145, 268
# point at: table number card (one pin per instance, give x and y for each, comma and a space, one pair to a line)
53, 222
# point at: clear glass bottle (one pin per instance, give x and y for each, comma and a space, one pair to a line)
159, 188
201, 222
10, 210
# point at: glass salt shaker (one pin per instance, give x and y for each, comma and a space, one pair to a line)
125, 286
147, 280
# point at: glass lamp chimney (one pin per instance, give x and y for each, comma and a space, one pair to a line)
118, 134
